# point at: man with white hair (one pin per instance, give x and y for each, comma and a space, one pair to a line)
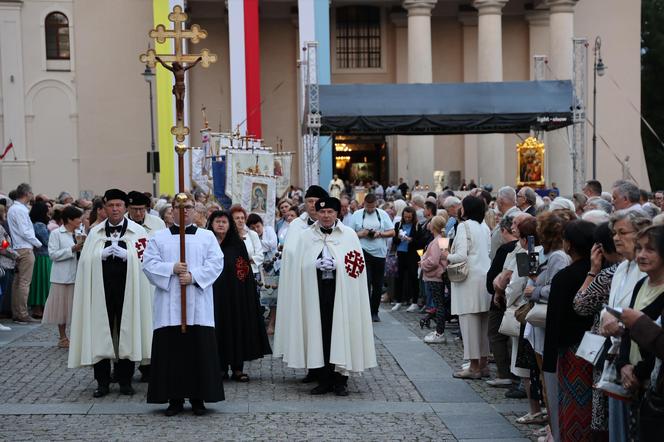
626, 195
562, 203
499, 343
526, 199
598, 204
452, 205
506, 205
596, 217
418, 204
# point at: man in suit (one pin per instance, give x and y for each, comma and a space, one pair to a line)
526, 199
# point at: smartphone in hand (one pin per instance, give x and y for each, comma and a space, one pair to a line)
615, 311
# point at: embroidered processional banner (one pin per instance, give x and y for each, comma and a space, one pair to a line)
258, 195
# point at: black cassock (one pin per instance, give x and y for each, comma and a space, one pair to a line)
114, 271
239, 324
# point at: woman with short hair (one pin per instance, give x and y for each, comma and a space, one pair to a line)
63, 250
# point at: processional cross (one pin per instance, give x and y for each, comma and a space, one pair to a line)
179, 63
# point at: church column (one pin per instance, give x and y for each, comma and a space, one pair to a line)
469, 31
491, 147
421, 158
399, 151
561, 33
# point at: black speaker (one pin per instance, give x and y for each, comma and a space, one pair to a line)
153, 162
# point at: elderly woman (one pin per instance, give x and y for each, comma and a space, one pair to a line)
634, 362
470, 299
251, 240
625, 225
564, 331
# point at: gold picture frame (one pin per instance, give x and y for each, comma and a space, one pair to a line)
530, 163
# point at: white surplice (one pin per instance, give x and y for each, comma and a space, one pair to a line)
205, 261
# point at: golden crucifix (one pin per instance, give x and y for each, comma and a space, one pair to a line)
179, 63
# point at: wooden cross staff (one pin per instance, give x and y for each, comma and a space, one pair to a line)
179, 63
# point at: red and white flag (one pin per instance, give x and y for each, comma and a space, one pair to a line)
9, 147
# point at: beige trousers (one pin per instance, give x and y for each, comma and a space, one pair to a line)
21, 286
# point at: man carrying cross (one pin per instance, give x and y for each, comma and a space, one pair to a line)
184, 364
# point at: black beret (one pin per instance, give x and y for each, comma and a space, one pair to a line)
328, 203
138, 199
315, 192
115, 194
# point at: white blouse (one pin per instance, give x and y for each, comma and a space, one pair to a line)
254, 249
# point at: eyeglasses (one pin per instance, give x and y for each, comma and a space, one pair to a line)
623, 232
188, 207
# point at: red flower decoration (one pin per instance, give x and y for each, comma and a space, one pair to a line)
242, 268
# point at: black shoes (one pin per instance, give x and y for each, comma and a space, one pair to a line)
374, 317
197, 407
321, 389
174, 407
127, 390
101, 391
341, 390
309, 378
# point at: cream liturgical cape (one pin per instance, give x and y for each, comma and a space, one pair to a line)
287, 295
152, 224
90, 338
352, 345
205, 262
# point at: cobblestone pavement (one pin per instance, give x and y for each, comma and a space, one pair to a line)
40, 399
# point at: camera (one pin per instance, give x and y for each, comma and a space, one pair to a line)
371, 233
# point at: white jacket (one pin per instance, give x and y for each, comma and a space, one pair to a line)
471, 296
63, 269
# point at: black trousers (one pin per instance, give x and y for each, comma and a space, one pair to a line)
115, 276
500, 344
409, 286
326, 374
375, 279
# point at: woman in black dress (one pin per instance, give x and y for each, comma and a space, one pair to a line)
239, 325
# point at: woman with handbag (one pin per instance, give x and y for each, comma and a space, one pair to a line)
625, 225
636, 363
564, 332
468, 264
589, 301
406, 241
550, 227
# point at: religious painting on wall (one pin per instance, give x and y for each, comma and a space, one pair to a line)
530, 163
361, 171
258, 195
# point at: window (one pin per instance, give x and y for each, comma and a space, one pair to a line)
358, 37
57, 36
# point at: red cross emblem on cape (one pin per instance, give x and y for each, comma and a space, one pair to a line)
140, 245
354, 263
241, 268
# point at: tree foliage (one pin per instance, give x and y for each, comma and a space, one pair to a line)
652, 87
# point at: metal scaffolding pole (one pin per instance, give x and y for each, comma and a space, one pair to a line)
312, 118
580, 98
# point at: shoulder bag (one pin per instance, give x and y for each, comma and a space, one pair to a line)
509, 326
458, 272
537, 315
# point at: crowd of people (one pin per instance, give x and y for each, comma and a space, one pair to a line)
564, 295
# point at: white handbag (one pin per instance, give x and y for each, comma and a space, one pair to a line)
509, 326
591, 347
537, 316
